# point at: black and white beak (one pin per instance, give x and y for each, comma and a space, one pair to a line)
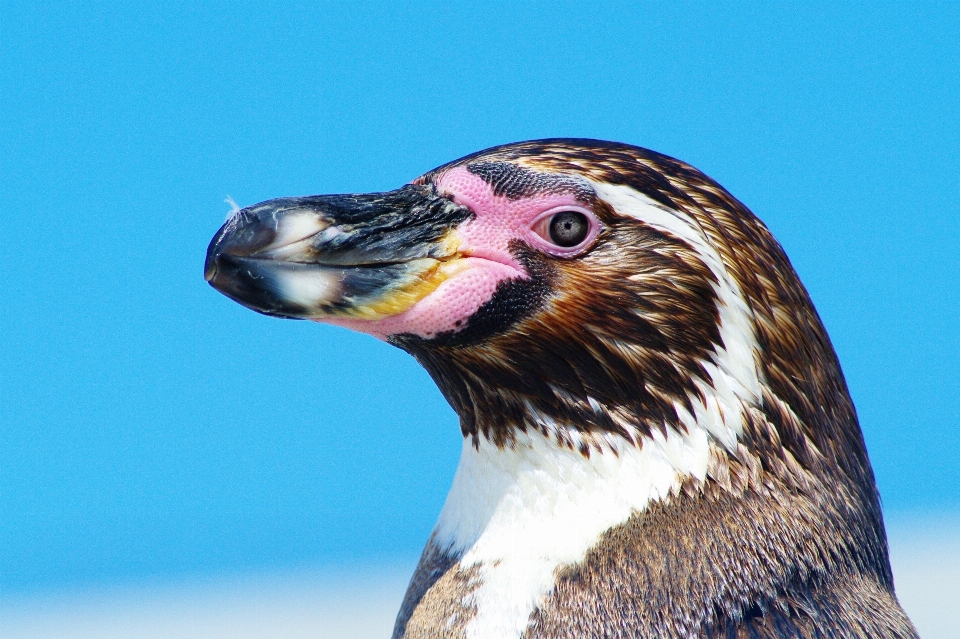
362, 256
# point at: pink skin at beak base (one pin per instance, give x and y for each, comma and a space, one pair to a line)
453, 301
485, 248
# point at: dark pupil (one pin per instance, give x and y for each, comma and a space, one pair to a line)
568, 228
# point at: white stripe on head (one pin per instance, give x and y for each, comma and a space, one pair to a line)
733, 367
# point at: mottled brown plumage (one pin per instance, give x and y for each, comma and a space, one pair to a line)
785, 537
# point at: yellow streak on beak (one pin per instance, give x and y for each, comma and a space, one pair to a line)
426, 274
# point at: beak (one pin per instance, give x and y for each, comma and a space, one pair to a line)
355, 256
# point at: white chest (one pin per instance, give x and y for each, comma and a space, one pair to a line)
520, 513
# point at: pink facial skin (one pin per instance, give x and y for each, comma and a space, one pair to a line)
484, 245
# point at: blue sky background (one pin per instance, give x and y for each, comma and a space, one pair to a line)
151, 428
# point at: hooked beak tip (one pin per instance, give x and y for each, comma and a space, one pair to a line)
210, 270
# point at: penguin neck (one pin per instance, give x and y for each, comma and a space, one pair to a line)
536, 497
516, 514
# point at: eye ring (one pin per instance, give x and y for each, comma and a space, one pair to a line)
565, 231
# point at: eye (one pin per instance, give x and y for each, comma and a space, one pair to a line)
565, 230
568, 228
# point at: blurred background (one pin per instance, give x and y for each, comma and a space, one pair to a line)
174, 465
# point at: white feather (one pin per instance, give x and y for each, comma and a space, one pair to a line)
234, 208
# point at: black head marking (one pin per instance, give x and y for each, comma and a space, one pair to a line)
514, 181
513, 300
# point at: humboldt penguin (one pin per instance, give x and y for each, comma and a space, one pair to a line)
658, 440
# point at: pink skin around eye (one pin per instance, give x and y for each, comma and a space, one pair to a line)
484, 243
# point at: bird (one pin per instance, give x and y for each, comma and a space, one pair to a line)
658, 440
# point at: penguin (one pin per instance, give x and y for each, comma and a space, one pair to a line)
658, 440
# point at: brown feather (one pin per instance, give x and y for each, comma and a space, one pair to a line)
784, 538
